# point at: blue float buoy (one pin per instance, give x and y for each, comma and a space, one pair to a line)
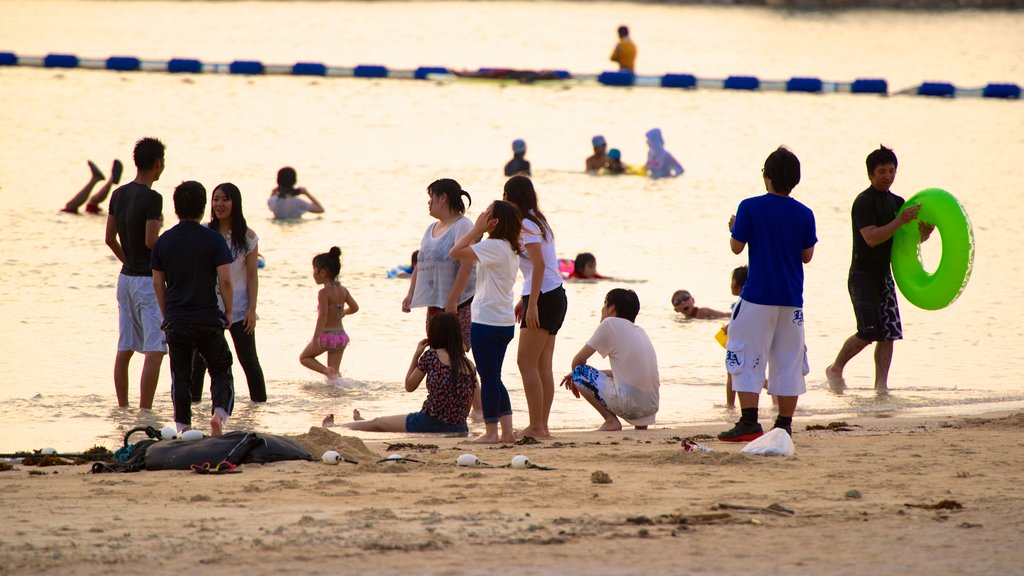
370, 71
187, 65
679, 81
61, 61
742, 83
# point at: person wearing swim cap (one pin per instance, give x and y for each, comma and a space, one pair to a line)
518, 164
615, 165
599, 159
625, 52
876, 218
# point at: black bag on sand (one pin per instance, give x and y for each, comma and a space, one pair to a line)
235, 447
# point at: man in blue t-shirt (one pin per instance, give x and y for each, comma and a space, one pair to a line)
767, 326
189, 262
133, 224
876, 217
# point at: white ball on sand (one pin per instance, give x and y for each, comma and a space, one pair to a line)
331, 457
192, 434
167, 432
48, 451
467, 460
395, 457
520, 461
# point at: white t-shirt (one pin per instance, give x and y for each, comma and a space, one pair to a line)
436, 269
531, 235
288, 208
634, 364
239, 278
494, 303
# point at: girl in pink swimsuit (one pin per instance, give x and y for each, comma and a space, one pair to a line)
334, 302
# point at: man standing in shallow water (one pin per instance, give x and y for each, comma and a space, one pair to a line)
132, 228
625, 51
872, 290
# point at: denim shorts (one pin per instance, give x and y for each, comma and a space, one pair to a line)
420, 422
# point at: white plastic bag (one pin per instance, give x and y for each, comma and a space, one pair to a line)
775, 443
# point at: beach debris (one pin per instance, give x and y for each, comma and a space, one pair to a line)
410, 446
940, 505
833, 426
853, 494
689, 445
521, 461
48, 451
694, 519
168, 432
5, 466
776, 442
969, 525
397, 458
776, 508
468, 460
331, 457
600, 477
526, 441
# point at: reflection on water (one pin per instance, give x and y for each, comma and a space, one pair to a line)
367, 150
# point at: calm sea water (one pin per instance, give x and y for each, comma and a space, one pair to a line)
367, 149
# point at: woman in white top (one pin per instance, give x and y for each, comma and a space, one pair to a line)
494, 317
439, 282
227, 218
542, 308
285, 201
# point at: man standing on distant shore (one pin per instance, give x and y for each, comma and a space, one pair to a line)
625, 51
189, 262
133, 225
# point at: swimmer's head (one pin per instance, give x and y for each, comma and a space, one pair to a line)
739, 278
585, 265
614, 154
621, 303
682, 302
286, 179
519, 146
598, 142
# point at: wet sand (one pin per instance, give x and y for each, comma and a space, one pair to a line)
880, 495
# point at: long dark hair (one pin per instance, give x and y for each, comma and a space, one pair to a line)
445, 333
286, 179
510, 224
239, 228
519, 191
330, 261
453, 190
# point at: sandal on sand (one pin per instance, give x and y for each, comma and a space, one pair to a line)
96, 173
222, 467
115, 171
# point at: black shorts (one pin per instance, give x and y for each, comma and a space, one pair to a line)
551, 308
873, 294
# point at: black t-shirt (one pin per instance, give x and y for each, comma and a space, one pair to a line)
132, 205
873, 208
189, 255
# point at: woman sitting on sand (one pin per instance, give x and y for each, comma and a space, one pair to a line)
451, 381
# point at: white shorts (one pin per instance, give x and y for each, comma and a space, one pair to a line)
138, 316
637, 407
760, 336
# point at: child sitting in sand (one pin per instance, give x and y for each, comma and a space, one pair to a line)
334, 302
451, 381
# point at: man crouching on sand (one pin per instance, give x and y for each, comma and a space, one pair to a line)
630, 389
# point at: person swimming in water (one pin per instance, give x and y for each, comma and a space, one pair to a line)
660, 162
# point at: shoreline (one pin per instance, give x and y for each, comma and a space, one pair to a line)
889, 495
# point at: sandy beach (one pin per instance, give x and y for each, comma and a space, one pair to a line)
878, 495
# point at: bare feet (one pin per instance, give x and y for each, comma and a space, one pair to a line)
356, 415
532, 432
329, 421
487, 438
610, 426
216, 425
835, 380
476, 415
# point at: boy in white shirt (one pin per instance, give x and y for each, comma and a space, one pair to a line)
630, 389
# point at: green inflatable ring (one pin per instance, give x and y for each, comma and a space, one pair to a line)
941, 288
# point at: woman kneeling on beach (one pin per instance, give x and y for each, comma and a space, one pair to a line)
451, 381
